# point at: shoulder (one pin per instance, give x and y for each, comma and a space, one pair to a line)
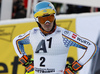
22, 36
68, 34
64, 31
34, 30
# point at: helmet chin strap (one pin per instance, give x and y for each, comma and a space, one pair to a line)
47, 32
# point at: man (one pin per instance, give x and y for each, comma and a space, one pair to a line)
51, 44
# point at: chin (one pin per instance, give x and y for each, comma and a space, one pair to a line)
48, 30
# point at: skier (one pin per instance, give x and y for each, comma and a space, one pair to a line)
50, 44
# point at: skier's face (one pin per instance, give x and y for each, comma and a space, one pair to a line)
46, 22
47, 26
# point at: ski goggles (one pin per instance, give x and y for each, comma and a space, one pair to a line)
45, 18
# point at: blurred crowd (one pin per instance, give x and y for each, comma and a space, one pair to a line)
20, 8
70, 9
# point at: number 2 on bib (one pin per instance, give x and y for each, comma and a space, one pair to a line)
42, 61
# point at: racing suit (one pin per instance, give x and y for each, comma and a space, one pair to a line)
50, 51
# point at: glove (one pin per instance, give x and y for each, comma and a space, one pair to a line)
28, 63
72, 68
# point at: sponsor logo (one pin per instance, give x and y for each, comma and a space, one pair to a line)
66, 32
74, 36
44, 70
83, 41
58, 31
35, 30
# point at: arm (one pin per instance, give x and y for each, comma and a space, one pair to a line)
18, 43
83, 43
72, 39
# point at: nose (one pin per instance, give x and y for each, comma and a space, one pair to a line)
47, 22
